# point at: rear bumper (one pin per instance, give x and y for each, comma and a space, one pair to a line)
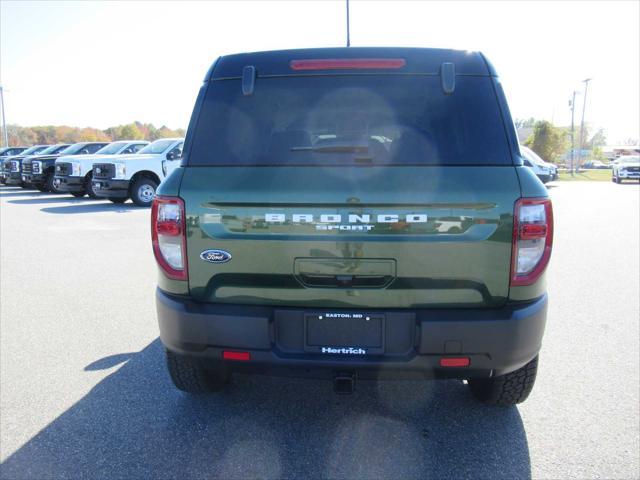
69, 184
111, 188
496, 341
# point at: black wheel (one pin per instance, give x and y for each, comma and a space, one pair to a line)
88, 186
117, 200
142, 191
618, 180
507, 389
50, 185
78, 194
189, 375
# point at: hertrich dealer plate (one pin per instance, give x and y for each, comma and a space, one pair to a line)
338, 333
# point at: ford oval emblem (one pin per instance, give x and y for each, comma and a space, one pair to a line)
215, 256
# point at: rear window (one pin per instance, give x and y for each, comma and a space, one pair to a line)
351, 119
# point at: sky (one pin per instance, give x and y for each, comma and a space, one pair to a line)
101, 64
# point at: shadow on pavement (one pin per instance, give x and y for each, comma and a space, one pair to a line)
55, 198
135, 424
22, 193
93, 207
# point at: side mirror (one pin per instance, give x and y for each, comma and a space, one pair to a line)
171, 155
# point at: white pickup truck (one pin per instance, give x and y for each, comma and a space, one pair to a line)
137, 176
74, 174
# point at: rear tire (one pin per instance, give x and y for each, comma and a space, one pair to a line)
142, 191
190, 376
117, 200
508, 389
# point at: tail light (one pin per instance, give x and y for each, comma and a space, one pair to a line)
169, 237
15, 166
532, 240
347, 64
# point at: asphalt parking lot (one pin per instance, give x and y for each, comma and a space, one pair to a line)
84, 392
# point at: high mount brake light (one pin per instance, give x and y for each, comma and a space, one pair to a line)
532, 240
348, 64
169, 237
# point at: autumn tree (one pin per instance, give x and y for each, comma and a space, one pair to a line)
547, 140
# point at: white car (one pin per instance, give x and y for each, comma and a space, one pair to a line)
73, 174
137, 176
545, 171
626, 168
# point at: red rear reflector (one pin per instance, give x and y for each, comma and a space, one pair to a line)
530, 231
241, 356
347, 63
455, 362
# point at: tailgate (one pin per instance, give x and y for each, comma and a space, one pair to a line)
377, 237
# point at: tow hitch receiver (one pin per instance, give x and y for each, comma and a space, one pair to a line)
344, 383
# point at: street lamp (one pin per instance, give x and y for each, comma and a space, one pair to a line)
4, 120
584, 107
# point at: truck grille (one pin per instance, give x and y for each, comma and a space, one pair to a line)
633, 169
104, 170
63, 169
26, 167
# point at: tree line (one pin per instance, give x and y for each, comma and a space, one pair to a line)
551, 142
51, 134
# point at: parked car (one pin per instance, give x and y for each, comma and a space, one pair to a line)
40, 170
595, 164
10, 151
545, 171
310, 228
626, 168
73, 174
12, 167
28, 166
137, 176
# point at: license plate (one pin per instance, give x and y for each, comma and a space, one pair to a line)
350, 333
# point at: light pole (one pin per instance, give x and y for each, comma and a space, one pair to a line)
4, 120
572, 104
584, 107
348, 33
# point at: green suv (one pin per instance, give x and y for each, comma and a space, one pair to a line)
353, 213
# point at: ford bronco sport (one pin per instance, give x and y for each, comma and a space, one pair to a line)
350, 214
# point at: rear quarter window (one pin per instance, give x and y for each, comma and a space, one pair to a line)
350, 119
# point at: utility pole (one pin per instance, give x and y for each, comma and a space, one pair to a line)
348, 33
572, 104
584, 107
4, 120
